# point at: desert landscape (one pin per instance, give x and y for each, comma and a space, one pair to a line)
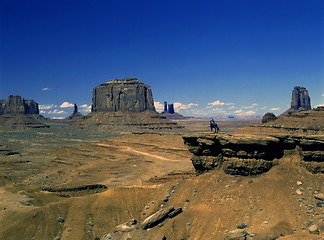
125, 171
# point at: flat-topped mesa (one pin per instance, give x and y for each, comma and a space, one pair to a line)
125, 95
18, 105
300, 99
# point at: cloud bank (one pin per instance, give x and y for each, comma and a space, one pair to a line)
217, 108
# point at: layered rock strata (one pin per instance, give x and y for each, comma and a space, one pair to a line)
124, 105
300, 99
125, 121
18, 105
18, 113
126, 94
302, 123
252, 154
20, 121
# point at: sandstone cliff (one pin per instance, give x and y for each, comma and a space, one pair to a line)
18, 113
300, 99
127, 94
123, 105
240, 154
301, 123
18, 105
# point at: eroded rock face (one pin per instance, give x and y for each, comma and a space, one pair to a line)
75, 114
300, 99
268, 117
127, 94
18, 105
251, 154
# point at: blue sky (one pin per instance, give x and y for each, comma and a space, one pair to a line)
211, 58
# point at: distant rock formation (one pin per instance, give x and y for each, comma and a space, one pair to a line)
75, 114
20, 121
171, 108
123, 105
126, 94
18, 113
168, 108
170, 113
299, 123
268, 117
18, 105
300, 99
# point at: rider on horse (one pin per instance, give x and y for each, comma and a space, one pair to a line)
213, 124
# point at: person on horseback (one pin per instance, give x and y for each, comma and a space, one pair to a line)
213, 124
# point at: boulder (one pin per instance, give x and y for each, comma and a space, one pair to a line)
156, 218
238, 234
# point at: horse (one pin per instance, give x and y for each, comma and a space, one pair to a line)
213, 125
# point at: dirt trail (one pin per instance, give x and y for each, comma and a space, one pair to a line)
129, 149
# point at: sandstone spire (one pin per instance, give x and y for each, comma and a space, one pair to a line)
300, 99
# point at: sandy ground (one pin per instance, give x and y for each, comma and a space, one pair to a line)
96, 184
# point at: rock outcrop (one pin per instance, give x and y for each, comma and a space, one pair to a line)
240, 154
268, 117
126, 94
300, 123
300, 99
18, 113
20, 121
75, 114
124, 105
18, 105
170, 113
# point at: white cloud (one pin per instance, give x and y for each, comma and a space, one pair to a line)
249, 112
46, 89
85, 108
57, 117
321, 105
66, 105
274, 109
159, 107
238, 111
180, 106
323, 95
231, 107
46, 107
216, 103
56, 111
41, 111
252, 106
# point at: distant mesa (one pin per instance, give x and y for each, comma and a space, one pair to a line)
75, 114
170, 113
18, 113
127, 94
123, 105
18, 105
